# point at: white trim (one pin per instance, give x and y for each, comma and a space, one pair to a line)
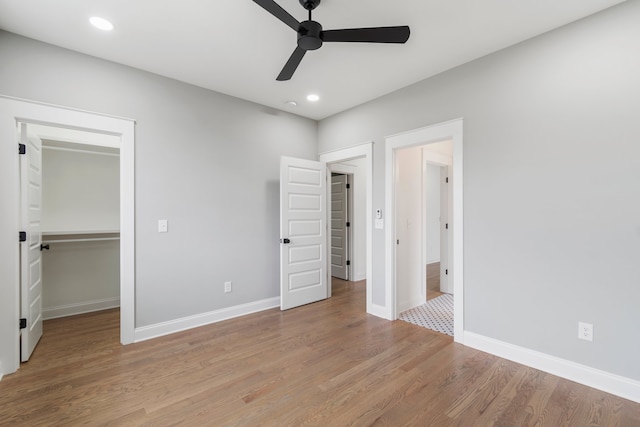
450, 130
80, 308
348, 147
62, 107
172, 326
611, 383
411, 303
362, 150
377, 310
434, 158
13, 110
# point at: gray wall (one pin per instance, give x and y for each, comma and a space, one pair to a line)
551, 185
207, 162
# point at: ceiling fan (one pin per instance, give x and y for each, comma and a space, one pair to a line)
311, 35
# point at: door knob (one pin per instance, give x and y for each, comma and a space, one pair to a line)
43, 247
285, 241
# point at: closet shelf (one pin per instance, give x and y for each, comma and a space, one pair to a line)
68, 236
76, 232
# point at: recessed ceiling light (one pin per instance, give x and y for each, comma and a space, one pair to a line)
291, 103
101, 23
313, 97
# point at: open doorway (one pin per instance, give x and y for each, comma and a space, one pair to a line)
80, 221
355, 165
340, 225
76, 227
422, 188
12, 113
407, 147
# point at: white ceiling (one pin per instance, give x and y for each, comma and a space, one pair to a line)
236, 47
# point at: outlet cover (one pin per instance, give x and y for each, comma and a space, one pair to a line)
227, 287
585, 331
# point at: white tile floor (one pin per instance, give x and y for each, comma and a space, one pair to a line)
435, 314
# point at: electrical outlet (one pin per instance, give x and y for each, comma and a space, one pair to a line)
227, 287
585, 331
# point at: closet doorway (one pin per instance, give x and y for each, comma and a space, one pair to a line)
79, 201
80, 221
13, 113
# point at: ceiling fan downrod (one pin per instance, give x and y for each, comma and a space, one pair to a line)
309, 5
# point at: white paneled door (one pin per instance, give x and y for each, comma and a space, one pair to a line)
339, 218
30, 250
303, 253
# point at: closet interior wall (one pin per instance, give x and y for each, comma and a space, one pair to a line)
80, 223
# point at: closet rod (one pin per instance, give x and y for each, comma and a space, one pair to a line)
95, 239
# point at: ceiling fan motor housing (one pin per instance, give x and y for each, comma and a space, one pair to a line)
309, 35
309, 4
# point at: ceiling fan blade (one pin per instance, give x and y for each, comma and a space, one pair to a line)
276, 10
291, 65
368, 35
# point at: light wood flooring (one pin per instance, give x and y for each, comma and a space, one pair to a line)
433, 281
324, 364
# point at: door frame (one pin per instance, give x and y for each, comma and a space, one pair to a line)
365, 151
450, 130
12, 111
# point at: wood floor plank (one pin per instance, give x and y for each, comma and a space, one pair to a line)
325, 364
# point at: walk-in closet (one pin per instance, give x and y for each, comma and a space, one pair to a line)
80, 223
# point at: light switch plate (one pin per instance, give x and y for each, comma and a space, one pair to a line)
163, 226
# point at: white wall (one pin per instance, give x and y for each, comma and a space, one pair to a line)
408, 224
80, 277
432, 194
551, 185
81, 192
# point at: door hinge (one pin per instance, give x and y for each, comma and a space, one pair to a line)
348, 262
446, 226
446, 272
348, 224
22, 236
348, 186
22, 149
23, 323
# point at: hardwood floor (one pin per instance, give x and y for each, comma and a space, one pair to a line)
325, 364
433, 281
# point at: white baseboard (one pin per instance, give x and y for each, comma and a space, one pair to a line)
172, 326
408, 305
611, 383
433, 261
1, 371
359, 277
379, 311
79, 308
